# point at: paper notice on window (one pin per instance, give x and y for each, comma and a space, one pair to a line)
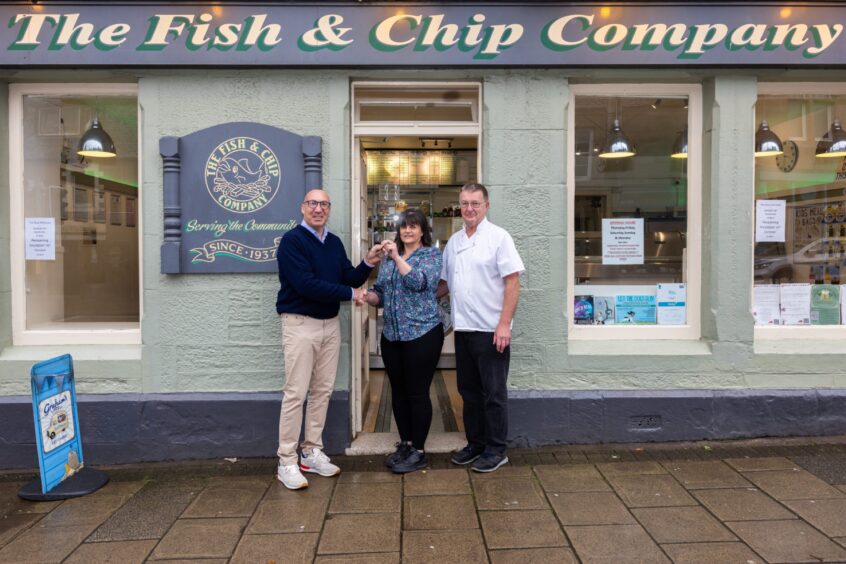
672, 304
770, 219
622, 241
795, 304
40, 238
765, 304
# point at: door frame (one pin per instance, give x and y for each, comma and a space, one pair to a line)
404, 129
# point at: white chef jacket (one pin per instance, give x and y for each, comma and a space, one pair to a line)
474, 268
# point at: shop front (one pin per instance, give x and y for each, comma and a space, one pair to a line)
673, 177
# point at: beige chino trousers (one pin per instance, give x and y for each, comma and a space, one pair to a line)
311, 348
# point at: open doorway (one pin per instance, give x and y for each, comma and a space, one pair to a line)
415, 145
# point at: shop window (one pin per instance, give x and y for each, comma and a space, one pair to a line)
634, 221
800, 211
75, 225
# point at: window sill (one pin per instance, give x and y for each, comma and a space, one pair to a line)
639, 348
800, 346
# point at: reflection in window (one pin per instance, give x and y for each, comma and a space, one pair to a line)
800, 212
630, 210
82, 271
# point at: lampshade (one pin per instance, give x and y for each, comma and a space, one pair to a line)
617, 145
680, 146
767, 143
96, 142
833, 144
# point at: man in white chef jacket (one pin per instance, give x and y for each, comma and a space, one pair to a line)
482, 269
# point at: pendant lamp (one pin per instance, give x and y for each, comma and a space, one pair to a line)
680, 146
833, 144
617, 145
96, 142
767, 143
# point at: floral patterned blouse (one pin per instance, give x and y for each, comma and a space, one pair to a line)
409, 303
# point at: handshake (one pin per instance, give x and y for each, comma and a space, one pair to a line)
363, 296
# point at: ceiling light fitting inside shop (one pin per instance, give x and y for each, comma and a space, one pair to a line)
96, 142
767, 143
436, 142
833, 143
656, 103
680, 146
617, 145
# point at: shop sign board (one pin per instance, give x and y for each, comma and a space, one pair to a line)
231, 192
622, 241
56, 422
422, 34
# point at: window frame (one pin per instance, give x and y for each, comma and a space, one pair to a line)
21, 336
790, 332
691, 330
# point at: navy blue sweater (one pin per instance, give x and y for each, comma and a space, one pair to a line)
315, 277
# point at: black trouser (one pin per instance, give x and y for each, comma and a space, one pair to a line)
411, 366
482, 375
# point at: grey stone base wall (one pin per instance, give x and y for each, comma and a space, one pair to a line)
126, 428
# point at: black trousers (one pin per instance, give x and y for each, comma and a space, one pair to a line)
482, 375
411, 366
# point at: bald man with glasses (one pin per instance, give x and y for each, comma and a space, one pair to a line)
315, 276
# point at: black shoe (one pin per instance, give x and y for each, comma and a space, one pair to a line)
465, 456
398, 455
489, 462
416, 460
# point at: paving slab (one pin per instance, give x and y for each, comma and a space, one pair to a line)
437, 547
759, 464
651, 491
787, 541
712, 553
745, 504
125, 552
384, 558
11, 504
524, 555
705, 474
149, 513
632, 468
44, 544
827, 515
828, 467
11, 525
620, 544
439, 512
681, 524
292, 515
572, 478
590, 508
793, 484
523, 529
86, 510
368, 477
515, 493
360, 533
437, 482
367, 498
290, 549
318, 487
200, 538
507, 471
231, 498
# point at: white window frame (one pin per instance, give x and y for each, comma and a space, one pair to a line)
791, 332
85, 335
692, 330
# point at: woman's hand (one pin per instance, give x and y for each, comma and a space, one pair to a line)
390, 248
372, 298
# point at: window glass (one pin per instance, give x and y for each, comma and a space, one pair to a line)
800, 227
630, 210
457, 104
80, 213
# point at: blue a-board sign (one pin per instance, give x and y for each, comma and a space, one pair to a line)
56, 422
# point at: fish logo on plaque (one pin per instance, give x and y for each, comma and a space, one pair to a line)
230, 193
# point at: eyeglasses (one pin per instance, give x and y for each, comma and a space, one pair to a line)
312, 204
474, 205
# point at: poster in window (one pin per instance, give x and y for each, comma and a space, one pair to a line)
115, 215
99, 206
130, 212
80, 205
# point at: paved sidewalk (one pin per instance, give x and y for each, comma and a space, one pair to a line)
722, 502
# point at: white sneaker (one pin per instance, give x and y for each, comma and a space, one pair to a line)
318, 463
291, 477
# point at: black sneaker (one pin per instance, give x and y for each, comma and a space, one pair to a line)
416, 460
465, 456
398, 455
489, 462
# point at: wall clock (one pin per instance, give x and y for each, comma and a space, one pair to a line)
787, 160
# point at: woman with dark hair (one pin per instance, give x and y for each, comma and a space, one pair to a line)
413, 335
